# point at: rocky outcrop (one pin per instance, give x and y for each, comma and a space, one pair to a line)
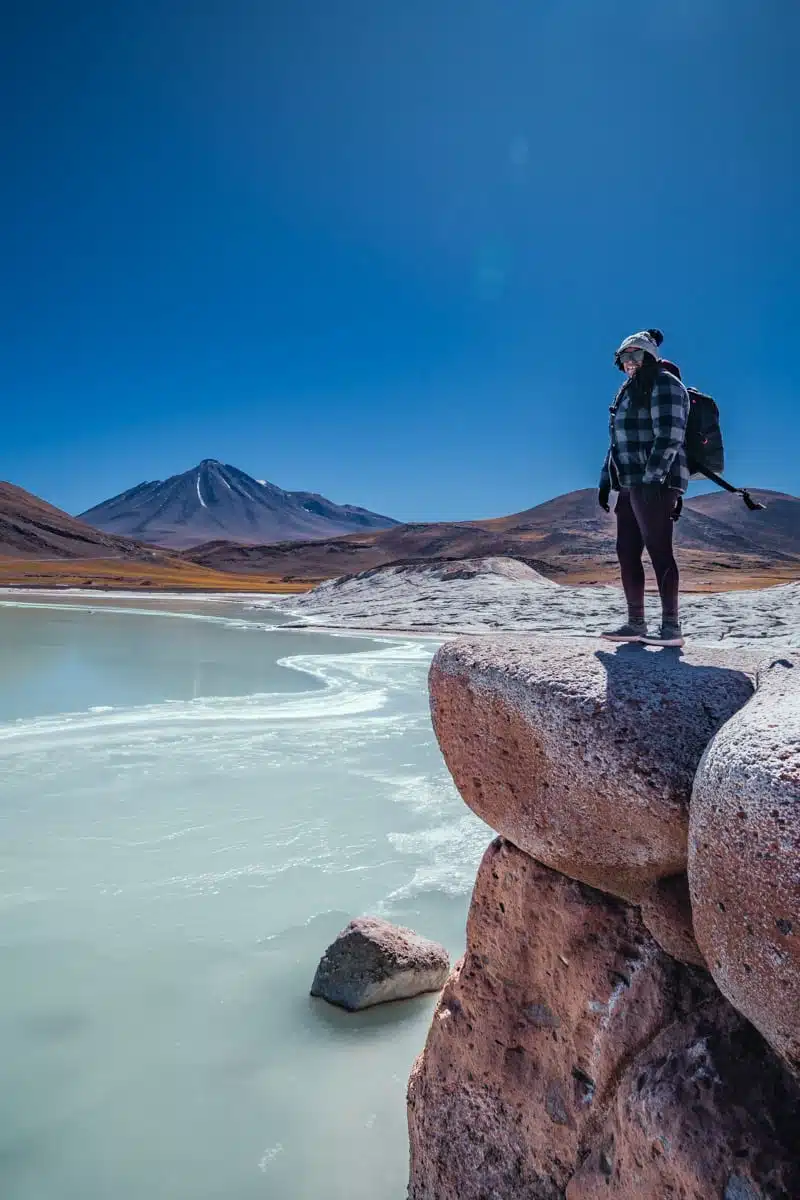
705, 1111
744, 862
570, 1056
582, 755
374, 962
581, 1048
559, 989
667, 913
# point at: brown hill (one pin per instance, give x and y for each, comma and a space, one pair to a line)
356, 552
32, 528
575, 524
568, 538
777, 526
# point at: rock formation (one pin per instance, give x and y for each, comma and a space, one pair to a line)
581, 755
701, 1112
373, 962
581, 1049
667, 913
744, 866
559, 989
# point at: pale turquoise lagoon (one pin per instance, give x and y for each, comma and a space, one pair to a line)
193, 802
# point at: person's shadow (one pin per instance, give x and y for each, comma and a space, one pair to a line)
682, 704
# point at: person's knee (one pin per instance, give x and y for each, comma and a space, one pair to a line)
660, 547
664, 564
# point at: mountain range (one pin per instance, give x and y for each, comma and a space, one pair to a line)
215, 500
567, 537
720, 545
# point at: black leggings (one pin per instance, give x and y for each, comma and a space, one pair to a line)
644, 522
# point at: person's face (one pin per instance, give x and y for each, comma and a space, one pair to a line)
630, 361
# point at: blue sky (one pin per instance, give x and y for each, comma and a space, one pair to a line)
385, 250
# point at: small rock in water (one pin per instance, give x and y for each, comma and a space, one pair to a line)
373, 962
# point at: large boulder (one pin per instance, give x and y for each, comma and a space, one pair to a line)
373, 962
559, 988
581, 753
744, 859
704, 1111
667, 913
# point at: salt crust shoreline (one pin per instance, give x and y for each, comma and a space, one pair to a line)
485, 597
491, 596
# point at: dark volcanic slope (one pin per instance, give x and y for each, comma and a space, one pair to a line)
559, 534
345, 555
575, 524
342, 514
215, 501
31, 528
777, 527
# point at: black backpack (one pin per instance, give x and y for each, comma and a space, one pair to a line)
705, 452
704, 449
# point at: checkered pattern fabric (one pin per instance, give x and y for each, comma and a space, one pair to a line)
647, 443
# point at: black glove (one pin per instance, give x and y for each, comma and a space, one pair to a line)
602, 497
677, 510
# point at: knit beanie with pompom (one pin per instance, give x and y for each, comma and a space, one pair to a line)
648, 340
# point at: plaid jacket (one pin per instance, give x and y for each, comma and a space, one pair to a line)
647, 444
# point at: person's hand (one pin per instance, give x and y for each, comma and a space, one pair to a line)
602, 497
675, 515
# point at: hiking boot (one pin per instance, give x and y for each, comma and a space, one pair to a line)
631, 631
669, 634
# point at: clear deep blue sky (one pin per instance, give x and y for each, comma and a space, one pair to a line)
385, 249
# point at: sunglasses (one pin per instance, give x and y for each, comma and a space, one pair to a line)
629, 356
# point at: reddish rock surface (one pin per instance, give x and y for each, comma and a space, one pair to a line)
560, 987
667, 913
570, 1057
705, 1111
581, 753
373, 962
744, 862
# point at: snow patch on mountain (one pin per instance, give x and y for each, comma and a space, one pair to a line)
215, 501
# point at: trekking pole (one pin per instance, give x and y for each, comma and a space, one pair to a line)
752, 504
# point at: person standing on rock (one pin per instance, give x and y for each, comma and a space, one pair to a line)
646, 464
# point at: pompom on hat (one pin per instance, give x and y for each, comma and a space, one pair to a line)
648, 340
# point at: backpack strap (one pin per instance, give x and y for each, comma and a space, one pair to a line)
752, 504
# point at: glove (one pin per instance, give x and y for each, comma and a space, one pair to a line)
602, 497
675, 515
